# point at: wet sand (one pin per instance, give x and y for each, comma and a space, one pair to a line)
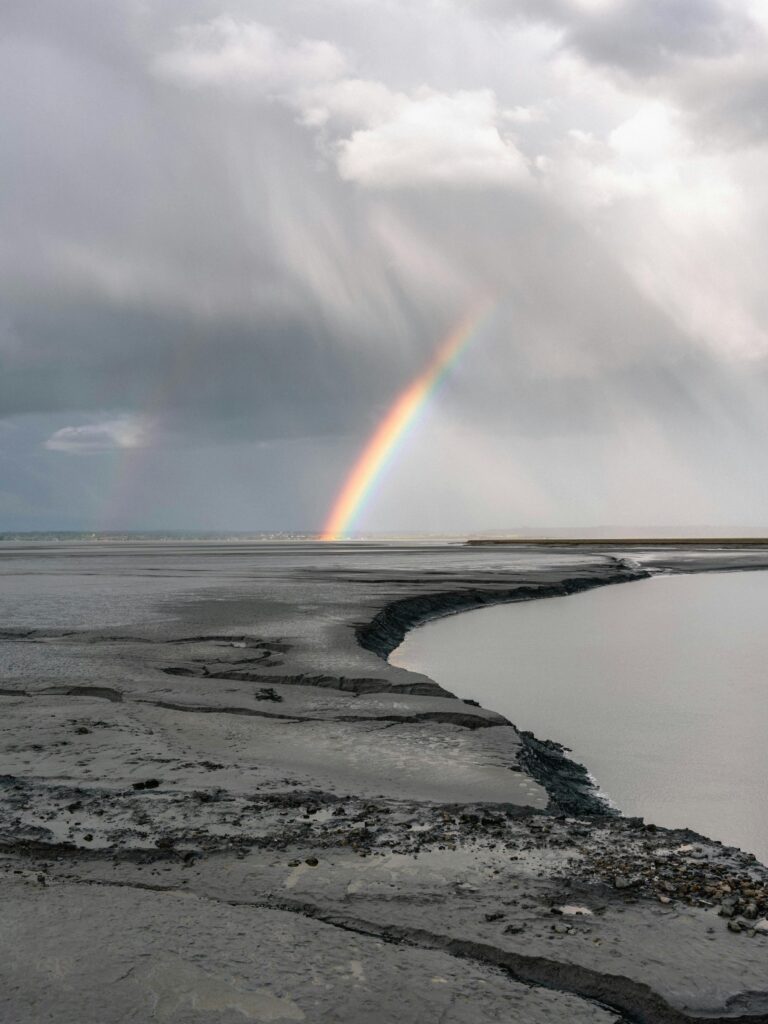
220, 802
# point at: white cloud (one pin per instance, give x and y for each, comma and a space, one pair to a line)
91, 438
397, 139
348, 102
524, 115
434, 138
644, 154
248, 56
594, 6
676, 217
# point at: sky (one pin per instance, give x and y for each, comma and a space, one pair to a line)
233, 231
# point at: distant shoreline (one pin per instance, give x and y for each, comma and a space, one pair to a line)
622, 542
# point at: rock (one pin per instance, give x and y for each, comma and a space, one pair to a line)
497, 916
267, 693
625, 882
146, 784
750, 911
164, 843
87, 838
312, 861
514, 929
734, 926
293, 863
761, 928
33, 877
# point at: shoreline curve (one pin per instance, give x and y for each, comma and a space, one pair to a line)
570, 786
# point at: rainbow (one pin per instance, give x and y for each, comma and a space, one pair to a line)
385, 441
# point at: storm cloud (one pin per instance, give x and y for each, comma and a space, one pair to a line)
232, 232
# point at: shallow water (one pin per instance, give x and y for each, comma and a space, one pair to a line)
660, 687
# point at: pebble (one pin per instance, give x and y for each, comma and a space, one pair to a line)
147, 784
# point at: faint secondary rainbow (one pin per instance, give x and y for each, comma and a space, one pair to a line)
388, 436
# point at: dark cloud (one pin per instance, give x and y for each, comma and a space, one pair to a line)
645, 36
708, 56
642, 37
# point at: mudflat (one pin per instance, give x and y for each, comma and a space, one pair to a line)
221, 803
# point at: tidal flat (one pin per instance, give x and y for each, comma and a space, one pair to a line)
220, 802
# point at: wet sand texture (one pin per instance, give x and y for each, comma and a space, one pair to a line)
231, 807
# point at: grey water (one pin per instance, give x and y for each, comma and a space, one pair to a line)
660, 687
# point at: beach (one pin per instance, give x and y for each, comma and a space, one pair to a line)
221, 802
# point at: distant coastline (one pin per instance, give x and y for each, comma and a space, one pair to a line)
622, 542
